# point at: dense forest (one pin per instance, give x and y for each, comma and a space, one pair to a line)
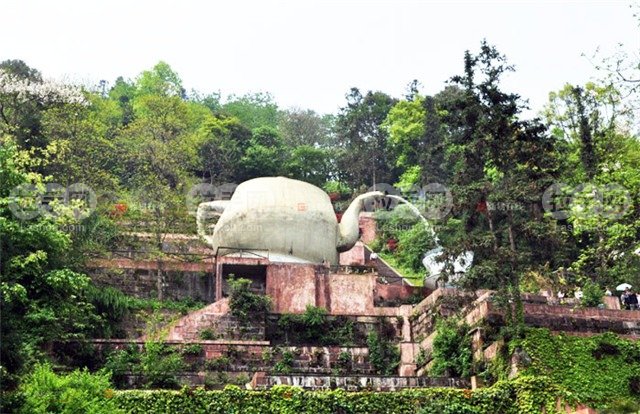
552, 201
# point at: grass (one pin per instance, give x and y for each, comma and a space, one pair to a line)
408, 273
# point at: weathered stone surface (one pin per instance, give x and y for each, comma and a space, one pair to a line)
289, 217
354, 383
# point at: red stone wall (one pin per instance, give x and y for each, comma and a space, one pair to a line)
292, 286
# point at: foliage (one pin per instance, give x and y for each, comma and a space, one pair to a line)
413, 244
158, 365
500, 165
592, 295
525, 395
598, 370
314, 326
45, 391
43, 299
384, 354
220, 363
246, 305
345, 361
363, 140
451, 349
285, 364
192, 349
207, 334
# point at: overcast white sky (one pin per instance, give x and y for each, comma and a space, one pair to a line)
309, 53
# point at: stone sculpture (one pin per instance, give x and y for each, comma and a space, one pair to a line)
290, 218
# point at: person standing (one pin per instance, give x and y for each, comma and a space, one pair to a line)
632, 299
624, 297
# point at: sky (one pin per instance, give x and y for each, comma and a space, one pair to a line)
308, 54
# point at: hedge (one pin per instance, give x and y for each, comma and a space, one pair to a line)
522, 395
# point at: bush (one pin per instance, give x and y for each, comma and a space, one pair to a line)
591, 295
160, 366
217, 364
207, 334
44, 391
244, 304
122, 363
285, 365
451, 349
384, 355
345, 361
193, 349
315, 327
413, 244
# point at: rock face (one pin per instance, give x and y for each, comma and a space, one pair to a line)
289, 218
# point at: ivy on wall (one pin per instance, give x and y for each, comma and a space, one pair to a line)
599, 371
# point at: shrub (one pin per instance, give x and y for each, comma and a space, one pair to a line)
193, 349
591, 295
160, 366
413, 244
77, 392
285, 365
207, 334
522, 395
451, 349
217, 364
383, 354
244, 304
123, 362
345, 361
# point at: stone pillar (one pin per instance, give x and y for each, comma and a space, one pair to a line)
218, 280
476, 382
477, 343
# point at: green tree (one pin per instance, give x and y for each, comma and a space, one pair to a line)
253, 110
42, 300
601, 166
160, 81
363, 158
305, 127
224, 141
501, 166
310, 164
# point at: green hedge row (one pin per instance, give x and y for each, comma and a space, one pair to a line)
522, 395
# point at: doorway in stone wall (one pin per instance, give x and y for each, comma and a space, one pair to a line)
256, 273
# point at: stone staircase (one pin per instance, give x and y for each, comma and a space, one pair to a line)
190, 326
386, 271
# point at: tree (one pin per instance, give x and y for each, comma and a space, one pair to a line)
253, 110
305, 127
84, 139
310, 164
501, 166
363, 157
416, 138
601, 167
42, 299
24, 95
224, 141
582, 117
160, 81
265, 156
